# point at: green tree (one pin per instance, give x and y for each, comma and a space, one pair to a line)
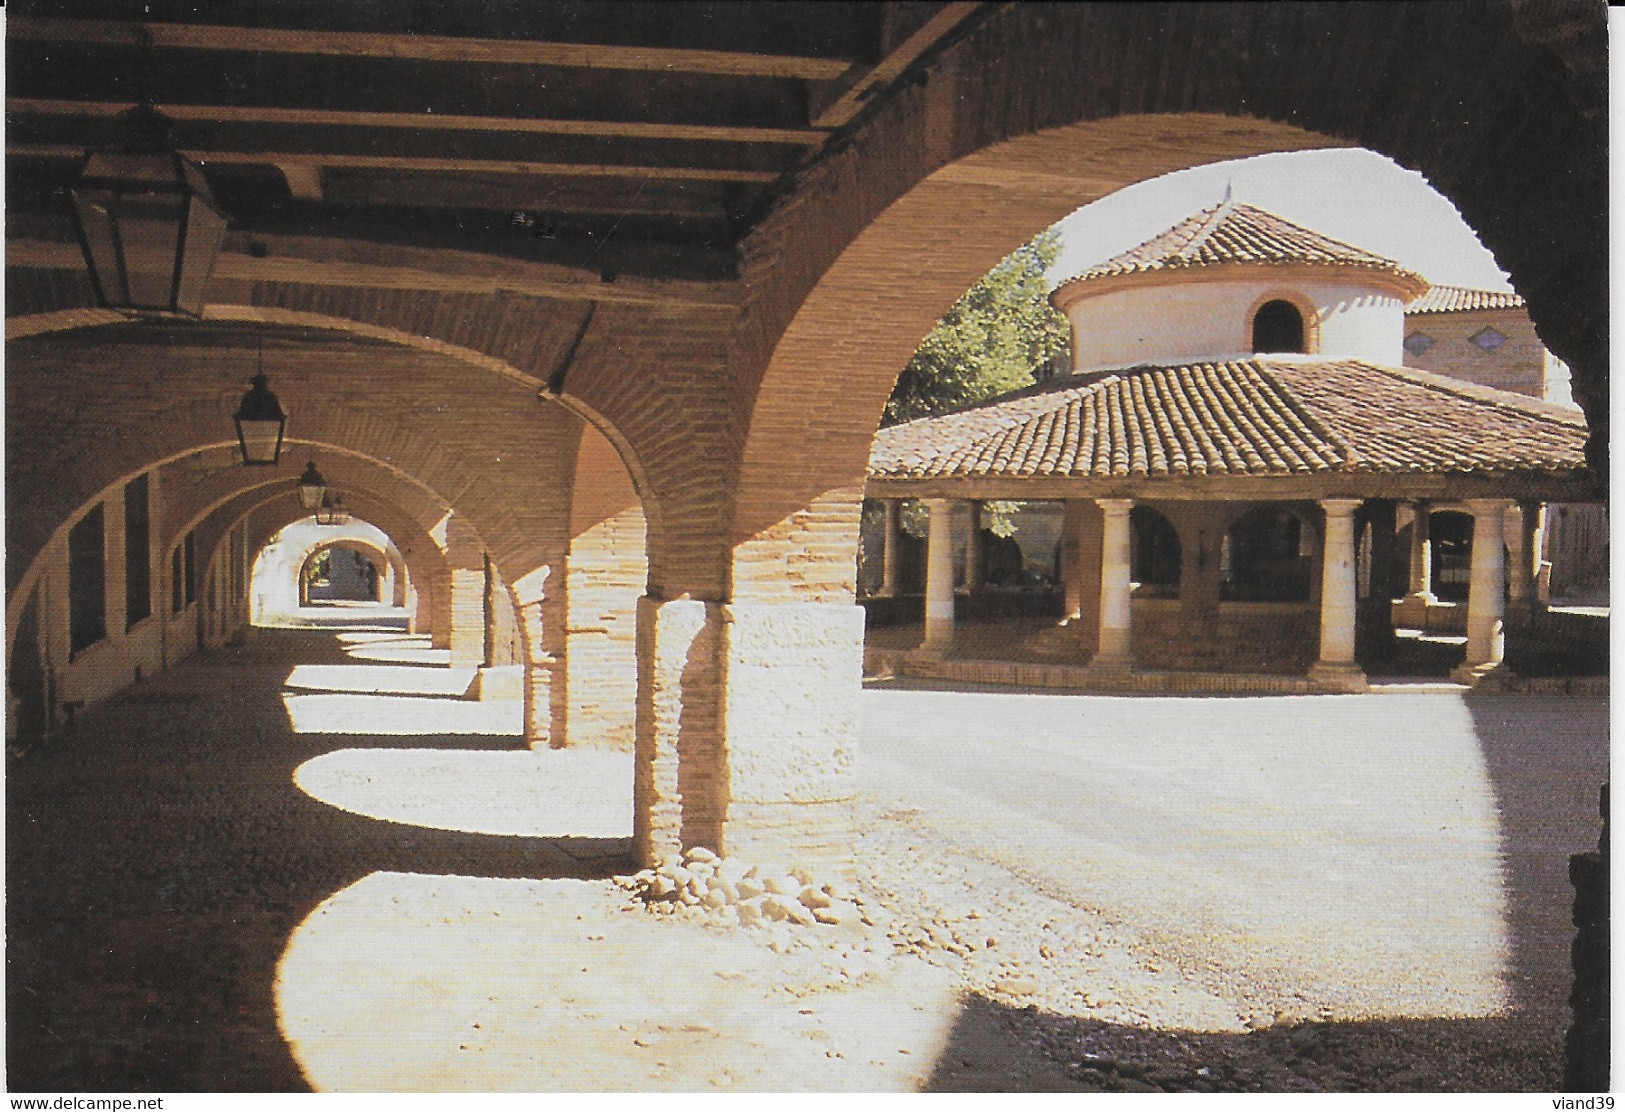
989, 342
986, 345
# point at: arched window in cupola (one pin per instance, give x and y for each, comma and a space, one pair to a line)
1278, 327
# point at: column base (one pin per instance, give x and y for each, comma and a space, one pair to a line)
931, 652
1485, 677
1109, 667
1340, 678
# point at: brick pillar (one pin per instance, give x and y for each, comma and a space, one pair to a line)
888, 547
1116, 653
939, 578
467, 614
1486, 589
542, 641
1336, 669
1421, 585
678, 742
745, 729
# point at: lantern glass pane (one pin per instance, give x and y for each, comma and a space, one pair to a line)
205, 230
96, 225
261, 440
149, 230
310, 497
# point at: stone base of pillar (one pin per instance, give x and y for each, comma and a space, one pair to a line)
502, 682
794, 673
1341, 678
930, 652
1485, 677
1109, 667
747, 721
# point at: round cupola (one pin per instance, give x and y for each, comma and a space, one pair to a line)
1231, 282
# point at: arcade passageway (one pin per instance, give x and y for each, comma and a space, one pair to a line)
309, 860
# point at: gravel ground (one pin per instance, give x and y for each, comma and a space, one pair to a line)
202, 898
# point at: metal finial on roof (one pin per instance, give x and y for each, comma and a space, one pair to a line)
1229, 192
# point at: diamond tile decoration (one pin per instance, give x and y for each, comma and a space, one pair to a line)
1418, 343
1487, 339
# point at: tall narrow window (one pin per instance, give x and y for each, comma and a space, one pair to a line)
1278, 326
137, 554
87, 582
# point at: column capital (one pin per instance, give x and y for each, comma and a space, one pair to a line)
1341, 507
1476, 506
1115, 505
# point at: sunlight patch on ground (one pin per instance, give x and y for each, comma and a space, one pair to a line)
416, 651
1342, 853
402, 715
408, 982
383, 679
540, 793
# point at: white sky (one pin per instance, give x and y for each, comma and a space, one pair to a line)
1352, 195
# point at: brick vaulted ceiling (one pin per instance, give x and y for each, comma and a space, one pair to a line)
629, 138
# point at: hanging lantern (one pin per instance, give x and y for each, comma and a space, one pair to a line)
312, 487
146, 221
260, 423
331, 511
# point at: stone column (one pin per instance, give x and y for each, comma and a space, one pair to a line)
1376, 616
888, 547
1072, 580
973, 549
1336, 669
1486, 592
1116, 653
939, 577
1421, 586
1523, 584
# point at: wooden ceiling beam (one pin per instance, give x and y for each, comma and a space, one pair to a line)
306, 117
283, 159
487, 279
430, 48
850, 103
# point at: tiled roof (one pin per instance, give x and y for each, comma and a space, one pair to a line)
1460, 299
1253, 417
1232, 233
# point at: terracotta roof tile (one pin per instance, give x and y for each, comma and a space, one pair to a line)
1460, 299
1236, 233
1252, 417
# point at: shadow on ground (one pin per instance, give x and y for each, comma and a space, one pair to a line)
159, 856
995, 1047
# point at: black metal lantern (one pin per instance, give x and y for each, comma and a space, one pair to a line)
260, 423
312, 487
331, 511
146, 221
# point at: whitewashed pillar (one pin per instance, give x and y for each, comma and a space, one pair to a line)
1486, 591
939, 576
1421, 585
1116, 651
1336, 668
888, 548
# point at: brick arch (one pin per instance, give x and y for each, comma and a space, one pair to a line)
498, 453
1042, 108
359, 544
205, 484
